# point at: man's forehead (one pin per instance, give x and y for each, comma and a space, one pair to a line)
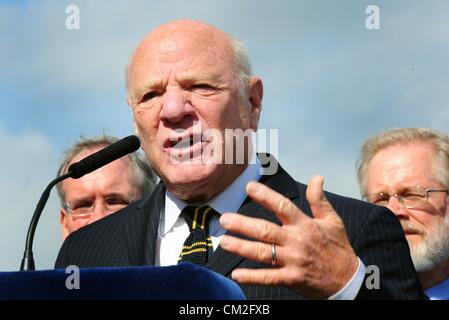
85, 152
188, 30
183, 36
115, 174
123, 161
397, 169
167, 46
185, 63
173, 48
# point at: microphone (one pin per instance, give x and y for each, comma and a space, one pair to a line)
75, 171
104, 156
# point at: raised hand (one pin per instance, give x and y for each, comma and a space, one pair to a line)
312, 255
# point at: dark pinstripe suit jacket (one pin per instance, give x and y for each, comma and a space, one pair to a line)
128, 238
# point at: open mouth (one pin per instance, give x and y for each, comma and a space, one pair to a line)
185, 147
183, 142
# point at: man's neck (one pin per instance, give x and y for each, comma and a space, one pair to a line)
435, 276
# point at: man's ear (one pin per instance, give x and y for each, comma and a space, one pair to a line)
255, 95
63, 219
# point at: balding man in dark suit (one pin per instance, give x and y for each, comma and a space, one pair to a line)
189, 83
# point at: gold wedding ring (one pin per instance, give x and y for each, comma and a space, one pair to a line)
273, 255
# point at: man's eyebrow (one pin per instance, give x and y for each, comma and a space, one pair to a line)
115, 194
151, 84
397, 191
81, 200
405, 189
191, 76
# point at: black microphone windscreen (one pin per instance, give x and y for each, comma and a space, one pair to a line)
104, 156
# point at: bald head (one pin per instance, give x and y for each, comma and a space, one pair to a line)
189, 33
186, 78
164, 43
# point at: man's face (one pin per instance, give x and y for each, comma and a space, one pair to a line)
181, 85
104, 191
402, 166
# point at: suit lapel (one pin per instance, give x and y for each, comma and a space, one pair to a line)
142, 228
223, 261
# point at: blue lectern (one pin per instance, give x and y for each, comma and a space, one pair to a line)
182, 282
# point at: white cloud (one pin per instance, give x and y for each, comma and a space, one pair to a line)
27, 165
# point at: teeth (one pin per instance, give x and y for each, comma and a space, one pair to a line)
184, 143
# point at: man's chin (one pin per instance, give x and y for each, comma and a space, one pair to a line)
187, 176
414, 239
413, 235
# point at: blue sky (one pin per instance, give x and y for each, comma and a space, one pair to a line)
329, 84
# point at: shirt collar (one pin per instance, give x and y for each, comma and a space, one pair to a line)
228, 200
439, 292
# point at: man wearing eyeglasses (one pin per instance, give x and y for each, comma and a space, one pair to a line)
407, 170
103, 191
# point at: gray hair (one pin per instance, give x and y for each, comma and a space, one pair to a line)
243, 69
402, 136
144, 175
242, 64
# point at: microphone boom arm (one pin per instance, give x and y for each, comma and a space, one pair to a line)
76, 170
28, 260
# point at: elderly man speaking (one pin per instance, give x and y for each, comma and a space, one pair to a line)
189, 83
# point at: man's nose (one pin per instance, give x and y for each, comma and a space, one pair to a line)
175, 105
396, 206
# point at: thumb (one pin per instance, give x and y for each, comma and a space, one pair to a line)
321, 207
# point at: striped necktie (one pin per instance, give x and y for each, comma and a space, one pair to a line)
198, 245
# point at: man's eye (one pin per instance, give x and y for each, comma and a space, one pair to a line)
380, 200
117, 201
148, 96
82, 205
202, 86
412, 195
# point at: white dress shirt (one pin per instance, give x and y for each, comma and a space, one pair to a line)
439, 292
173, 230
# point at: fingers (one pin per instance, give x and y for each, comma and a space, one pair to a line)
253, 250
318, 202
267, 277
259, 229
284, 209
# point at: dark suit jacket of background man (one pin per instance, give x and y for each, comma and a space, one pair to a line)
128, 238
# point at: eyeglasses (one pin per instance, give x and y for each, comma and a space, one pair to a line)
86, 207
409, 198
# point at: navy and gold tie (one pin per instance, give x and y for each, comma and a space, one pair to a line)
198, 245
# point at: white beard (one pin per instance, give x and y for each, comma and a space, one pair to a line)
434, 249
